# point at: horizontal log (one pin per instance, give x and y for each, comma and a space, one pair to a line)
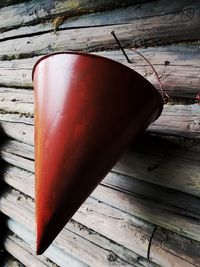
18, 127
165, 242
174, 252
178, 120
179, 218
156, 160
20, 101
105, 18
152, 21
60, 256
20, 245
132, 233
175, 120
186, 204
178, 68
35, 11
62, 20
85, 39
19, 249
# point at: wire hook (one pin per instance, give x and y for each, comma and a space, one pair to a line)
165, 96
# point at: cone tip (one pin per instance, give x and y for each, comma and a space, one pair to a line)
40, 247
41, 242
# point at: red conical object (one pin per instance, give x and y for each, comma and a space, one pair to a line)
87, 110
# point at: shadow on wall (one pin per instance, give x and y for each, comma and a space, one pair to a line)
3, 186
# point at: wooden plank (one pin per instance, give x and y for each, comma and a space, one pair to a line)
179, 253
19, 131
164, 163
179, 76
168, 22
105, 18
57, 256
169, 249
121, 227
174, 27
186, 204
154, 160
124, 229
20, 101
175, 120
135, 12
14, 246
180, 218
22, 249
178, 120
36, 11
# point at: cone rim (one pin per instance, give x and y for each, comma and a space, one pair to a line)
160, 99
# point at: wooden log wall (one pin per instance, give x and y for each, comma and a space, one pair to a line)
146, 212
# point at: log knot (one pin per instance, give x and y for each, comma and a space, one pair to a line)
188, 15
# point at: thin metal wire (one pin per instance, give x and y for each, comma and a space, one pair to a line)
165, 96
120, 46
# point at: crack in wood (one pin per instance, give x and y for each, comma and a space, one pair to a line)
150, 242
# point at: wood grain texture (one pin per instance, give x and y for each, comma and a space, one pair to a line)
35, 11
62, 258
132, 232
177, 66
179, 218
95, 38
20, 245
175, 120
63, 18
165, 242
186, 204
156, 160
174, 22
183, 253
19, 249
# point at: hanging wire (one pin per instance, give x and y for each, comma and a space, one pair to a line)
120, 46
165, 96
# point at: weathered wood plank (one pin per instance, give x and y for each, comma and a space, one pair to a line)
174, 27
179, 76
176, 120
18, 127
23, 249
182, 252
18, 249
154, 160
165, 164
105, 18
60, 256
165, 243
36, 11
20, 101
186, 204
175, 22
180, 219
124, 229
28, 151
111, 17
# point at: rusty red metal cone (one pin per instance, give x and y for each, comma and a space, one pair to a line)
87, 111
